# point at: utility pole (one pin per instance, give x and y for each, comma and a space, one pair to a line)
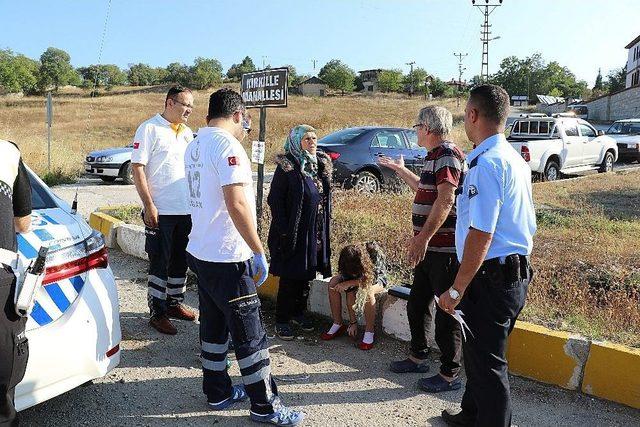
410, 64
486, 9
314, 65
460, 56
264, 62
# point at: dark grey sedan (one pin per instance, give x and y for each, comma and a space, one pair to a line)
354, 152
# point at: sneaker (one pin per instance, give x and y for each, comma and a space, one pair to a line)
459, 419
407, 365
303, 323
284, 332
282, 416
437, 384
181, 312
238, 394
162, 324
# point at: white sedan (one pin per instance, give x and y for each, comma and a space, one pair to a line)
74, 329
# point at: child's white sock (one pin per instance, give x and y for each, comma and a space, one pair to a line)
334, 328
368, 338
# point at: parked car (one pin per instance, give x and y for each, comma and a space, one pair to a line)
110, 164
627, 136
560, 144
579, 110
74, 328
354, 152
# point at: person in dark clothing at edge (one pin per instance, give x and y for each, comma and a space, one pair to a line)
494, 238
300, 203
432, 249
15, 216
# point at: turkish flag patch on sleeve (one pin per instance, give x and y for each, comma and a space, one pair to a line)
136, 145
233, 161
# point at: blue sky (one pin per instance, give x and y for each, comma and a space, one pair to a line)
580, 34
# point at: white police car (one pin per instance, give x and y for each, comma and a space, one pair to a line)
74, 328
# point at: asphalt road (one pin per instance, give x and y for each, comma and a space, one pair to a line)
158, 382
93, 193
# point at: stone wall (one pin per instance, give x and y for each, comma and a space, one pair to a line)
621, 105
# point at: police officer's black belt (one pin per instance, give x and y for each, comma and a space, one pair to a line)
508, 269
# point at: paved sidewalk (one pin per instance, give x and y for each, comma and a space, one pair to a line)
159, 381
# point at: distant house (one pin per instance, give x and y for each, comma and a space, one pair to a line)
313, 87
370, 80
519, 100
633, 63
459, 85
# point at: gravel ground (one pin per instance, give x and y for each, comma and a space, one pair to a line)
158, 381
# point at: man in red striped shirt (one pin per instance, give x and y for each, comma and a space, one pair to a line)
431, 251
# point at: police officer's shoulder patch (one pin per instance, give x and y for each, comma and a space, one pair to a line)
473, 191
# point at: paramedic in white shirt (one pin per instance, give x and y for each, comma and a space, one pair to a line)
158, 173
226, 254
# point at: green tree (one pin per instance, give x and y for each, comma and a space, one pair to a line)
177, 73
439, 88
294, 78
17, 73
598, 85
205, 73
617, 79
141, 75
56, 70
236, 71
417, 78
108, 75
390, 80
338, 76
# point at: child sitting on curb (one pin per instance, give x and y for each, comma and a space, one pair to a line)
361, 275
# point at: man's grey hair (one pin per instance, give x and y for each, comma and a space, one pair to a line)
438, 119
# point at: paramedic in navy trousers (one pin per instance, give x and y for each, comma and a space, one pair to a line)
226, 254
494, 237
15, 216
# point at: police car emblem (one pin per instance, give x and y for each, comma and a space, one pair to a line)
473, 191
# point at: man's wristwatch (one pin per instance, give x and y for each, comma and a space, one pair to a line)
454, 294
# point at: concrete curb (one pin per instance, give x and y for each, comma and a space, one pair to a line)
107, 225
606, 370
612, 372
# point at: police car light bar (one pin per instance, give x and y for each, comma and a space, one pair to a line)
87, 255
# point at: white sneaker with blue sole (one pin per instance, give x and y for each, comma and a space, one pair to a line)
238, 395
282, 416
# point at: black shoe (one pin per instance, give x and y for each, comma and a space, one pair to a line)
408, 365
303, 323
284, 332
459, 419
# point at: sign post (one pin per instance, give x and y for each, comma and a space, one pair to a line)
262, 89
49, 105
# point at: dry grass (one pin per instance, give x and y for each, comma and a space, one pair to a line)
82, 124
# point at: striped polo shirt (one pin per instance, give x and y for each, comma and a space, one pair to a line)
444, 163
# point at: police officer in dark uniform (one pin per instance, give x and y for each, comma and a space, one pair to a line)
15, 215
494, 237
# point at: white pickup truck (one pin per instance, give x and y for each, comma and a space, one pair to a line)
556, 145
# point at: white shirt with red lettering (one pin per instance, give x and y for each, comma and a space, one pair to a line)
215, 159
160, 149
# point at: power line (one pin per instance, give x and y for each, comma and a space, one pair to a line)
486, 9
